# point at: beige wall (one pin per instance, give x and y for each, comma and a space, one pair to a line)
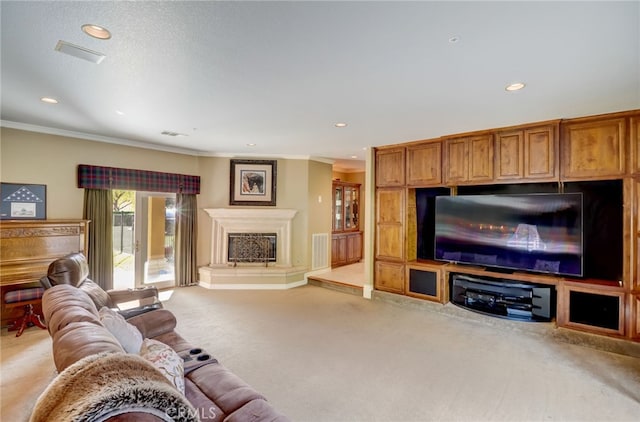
319, 198
29, 157
297, 181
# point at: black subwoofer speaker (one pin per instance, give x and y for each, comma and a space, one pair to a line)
423, 282
594, 309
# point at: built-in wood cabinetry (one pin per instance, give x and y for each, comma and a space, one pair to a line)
593, 148
468, 159
582, 150
27, 247
346, 241
527, 154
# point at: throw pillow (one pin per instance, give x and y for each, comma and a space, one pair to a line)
127, 335
166, 360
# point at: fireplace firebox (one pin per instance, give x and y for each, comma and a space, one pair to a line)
252, 247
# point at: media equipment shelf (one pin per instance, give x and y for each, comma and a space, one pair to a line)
504, 297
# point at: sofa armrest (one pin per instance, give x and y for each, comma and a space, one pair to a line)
154, 323
119, 296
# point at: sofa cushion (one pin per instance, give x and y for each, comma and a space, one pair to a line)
128, 335
166, 360
155, 323
78, 340
97, 294
64, 304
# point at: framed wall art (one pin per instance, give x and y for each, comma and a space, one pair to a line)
253, 182
22, 201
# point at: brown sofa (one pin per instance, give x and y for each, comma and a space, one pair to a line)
213, 391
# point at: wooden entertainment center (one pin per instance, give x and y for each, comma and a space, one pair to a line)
580, 150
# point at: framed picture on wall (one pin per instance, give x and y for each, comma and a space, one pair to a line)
253, 182
22, 201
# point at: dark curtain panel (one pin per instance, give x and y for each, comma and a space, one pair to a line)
98, 207
186, 236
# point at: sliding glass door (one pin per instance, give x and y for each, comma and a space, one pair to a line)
143, 239
155, 239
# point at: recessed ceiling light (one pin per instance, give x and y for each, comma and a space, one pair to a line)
96, 31
49, 100
515, 86
120, 113
251, 145
354, 156
341, 124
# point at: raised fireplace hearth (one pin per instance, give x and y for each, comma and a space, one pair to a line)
251, 248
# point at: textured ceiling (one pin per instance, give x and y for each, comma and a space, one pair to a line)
281, 74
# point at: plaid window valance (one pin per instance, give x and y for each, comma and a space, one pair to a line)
97, 177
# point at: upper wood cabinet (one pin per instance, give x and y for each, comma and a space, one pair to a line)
469, 159
593, 148
527, 153
424, 163
390, 166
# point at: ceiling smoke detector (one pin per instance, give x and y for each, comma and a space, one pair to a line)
79, 52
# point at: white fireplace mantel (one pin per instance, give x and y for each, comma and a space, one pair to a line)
250, 220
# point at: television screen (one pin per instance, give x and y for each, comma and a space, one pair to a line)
532, 232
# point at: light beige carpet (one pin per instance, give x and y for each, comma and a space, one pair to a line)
321, 355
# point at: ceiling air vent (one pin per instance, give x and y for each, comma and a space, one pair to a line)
169, 133
79, 52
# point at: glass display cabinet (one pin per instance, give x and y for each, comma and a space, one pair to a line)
347, 238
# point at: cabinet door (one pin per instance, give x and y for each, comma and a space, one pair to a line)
338, 198
510, 155
390, 167
593, 149
338, 250
481, 158
634, 122
389, 276
540, 152
424, 163
389, 243
354, 247
350, 208
456, 161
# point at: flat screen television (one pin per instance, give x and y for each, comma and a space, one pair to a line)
530, 232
